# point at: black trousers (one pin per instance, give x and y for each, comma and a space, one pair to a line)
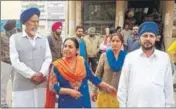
93, 62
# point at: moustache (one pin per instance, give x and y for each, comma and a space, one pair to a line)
147, 42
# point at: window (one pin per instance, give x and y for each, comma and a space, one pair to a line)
98, 14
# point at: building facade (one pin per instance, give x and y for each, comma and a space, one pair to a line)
99, 14
112, 14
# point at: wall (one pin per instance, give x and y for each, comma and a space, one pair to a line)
9, 7
51, 11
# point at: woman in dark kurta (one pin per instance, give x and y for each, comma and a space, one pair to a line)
69, 78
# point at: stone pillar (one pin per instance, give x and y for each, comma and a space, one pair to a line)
67, 19
78, 13
120, 12
72, 17
126, 5
168, 14
161, 7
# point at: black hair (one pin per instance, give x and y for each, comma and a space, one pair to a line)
135, 26
74, 40
118, 27
79, 27
119, 35
112, 30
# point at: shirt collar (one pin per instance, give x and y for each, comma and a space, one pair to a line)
79, 38
155, 53
135, 37
24, 34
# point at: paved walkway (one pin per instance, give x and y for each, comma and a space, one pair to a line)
9, 94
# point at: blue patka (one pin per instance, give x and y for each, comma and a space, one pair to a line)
148, 27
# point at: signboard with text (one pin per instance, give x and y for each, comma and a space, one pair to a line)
51, 11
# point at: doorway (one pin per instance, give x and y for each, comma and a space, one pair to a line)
142, 9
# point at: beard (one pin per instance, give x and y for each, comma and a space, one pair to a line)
79, 35
58, 33
147, 46
32, 31
91, 35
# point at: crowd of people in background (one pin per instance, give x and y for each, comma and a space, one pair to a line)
128, 66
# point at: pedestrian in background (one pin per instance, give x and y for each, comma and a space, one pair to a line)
126, 32
92, 42
82, 46
6, 68
133, 41
55, 40
118, 29
106, 42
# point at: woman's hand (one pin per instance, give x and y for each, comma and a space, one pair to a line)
111, 89
107, 87
94, 96
74, 93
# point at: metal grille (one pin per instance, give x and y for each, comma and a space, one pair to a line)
99, 14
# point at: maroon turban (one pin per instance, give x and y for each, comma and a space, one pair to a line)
56, 25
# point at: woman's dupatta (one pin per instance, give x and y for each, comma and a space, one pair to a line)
74, 78
50, 95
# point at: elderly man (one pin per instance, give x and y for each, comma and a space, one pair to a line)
92, 42
6, 68
30, 55
146, 78
55, 40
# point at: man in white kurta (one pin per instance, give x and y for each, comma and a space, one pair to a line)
30, 55
146, 78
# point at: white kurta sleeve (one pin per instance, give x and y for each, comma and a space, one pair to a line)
168, 86
48, 59
14, 58
122, 93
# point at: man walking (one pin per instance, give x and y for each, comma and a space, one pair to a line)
55, 40
82, 46
126, 32
146, 78
6, 68
30, 55
92, 42
133, 40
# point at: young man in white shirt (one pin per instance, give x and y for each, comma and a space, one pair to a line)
30, 55
146, 78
